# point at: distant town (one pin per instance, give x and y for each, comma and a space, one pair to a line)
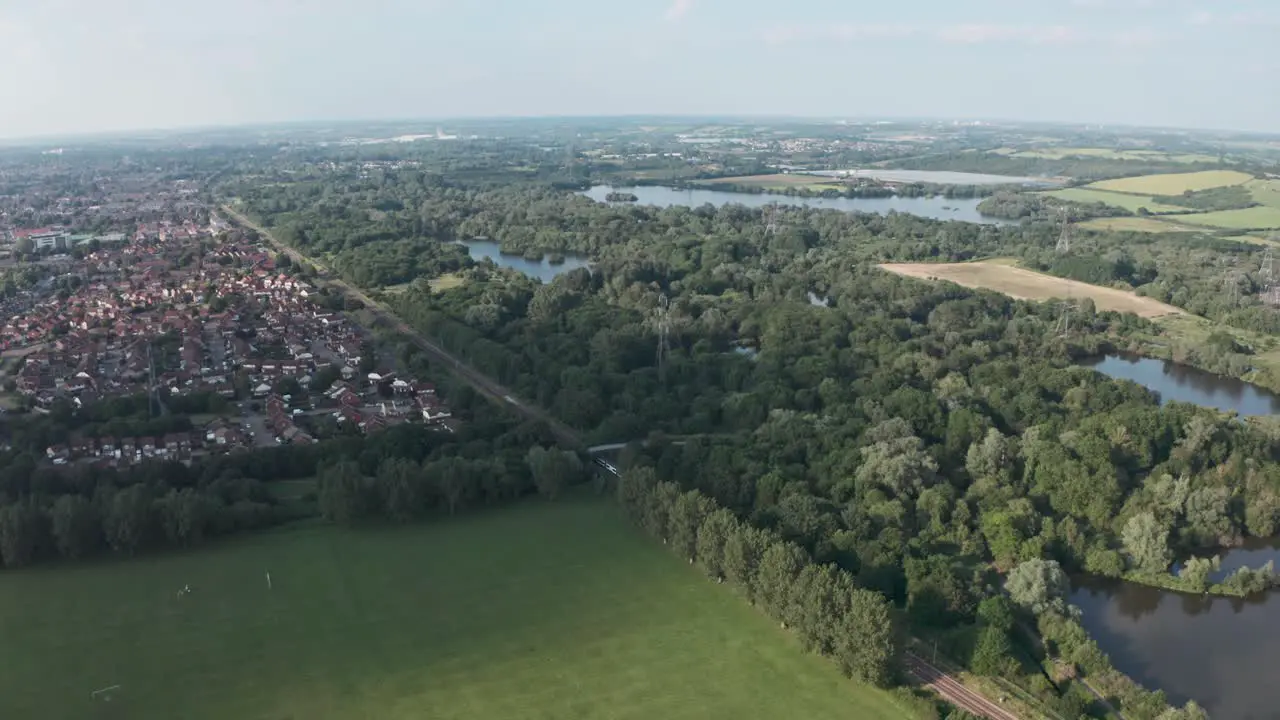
197, 317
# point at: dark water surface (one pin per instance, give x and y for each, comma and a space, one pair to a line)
1188, 384
938, 208
1222, 652
542, 269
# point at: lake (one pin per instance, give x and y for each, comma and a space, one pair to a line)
543, 270
1187, 384
1221, 652
938, 208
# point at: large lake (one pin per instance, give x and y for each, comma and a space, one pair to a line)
938, 208
1187, 384
1221, 652
543, 270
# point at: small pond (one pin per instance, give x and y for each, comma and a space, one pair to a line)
543, 270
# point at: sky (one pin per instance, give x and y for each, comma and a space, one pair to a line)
73, 66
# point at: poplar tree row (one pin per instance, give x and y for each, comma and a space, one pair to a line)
819, 603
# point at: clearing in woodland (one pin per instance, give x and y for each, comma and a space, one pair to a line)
1173, 184
538, 610
1025, 284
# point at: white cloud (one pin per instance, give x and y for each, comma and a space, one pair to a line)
678, 9
844, 32
973, 34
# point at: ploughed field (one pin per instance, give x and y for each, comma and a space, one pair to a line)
539, 610
1029, 285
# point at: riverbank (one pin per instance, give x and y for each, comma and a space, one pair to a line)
1186, 586
1186, 339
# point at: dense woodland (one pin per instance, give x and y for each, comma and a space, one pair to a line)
925, 440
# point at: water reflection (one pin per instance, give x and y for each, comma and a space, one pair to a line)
1187, 384
938, 208
543, 270
1219, 651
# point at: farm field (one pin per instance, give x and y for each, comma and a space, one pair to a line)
1135, 224
1025, 284
1266, 192
1173, 184
1260, 217
539, 610
1254, 240
1128, 202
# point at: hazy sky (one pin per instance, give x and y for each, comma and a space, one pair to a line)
96, 65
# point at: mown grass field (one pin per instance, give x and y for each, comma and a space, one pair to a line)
1029, 285
541, 610
1135, 224
1266, 192
1128, 202
1260, 217
1173, 184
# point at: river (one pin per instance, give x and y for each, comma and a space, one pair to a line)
938, 208
1221, 652
543, 270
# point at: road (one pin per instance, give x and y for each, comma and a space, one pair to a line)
485, 386
952, 690
939, 681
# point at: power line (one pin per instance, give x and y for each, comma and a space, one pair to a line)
1063, 325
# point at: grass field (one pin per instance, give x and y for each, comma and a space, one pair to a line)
1255, 240
1028, 285
534, 611
1173, 184
1128, 202
1266, 192
447, 281
1135, 224
1260, 217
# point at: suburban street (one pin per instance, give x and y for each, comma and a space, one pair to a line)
495, 392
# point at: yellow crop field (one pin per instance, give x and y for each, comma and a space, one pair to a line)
1173, 184
1128, 202
1025, 284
